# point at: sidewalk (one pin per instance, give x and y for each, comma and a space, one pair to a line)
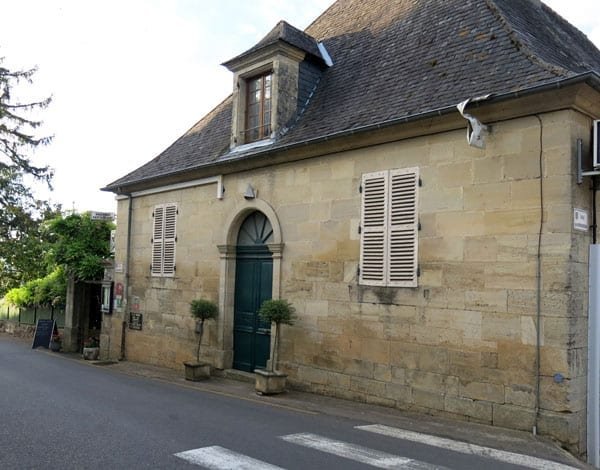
240, 385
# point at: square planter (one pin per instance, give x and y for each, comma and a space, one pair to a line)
196, 371
91, 354
269, 383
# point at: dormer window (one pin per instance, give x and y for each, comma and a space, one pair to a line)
272, 84
258, 107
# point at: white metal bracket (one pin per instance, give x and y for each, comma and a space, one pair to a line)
580, 172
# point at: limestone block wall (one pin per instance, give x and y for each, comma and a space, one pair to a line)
461, 344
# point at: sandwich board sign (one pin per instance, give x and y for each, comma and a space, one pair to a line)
43, 333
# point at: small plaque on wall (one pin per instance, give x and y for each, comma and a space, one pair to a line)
135, 321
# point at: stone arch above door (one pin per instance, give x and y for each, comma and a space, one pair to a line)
227, 251
236, 219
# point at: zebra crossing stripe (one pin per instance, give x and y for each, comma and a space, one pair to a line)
217, 458
466, 448
355, 452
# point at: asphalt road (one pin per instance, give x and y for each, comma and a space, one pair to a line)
57, 413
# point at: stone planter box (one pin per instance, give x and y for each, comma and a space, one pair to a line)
91, 354
269, 383
196, 371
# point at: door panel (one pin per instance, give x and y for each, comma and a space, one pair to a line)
251, 336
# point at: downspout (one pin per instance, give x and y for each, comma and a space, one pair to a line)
538, 313
127, 271
594, 216
593, 377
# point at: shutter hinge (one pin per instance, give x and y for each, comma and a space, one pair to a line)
360, 189
174, 267
419, 226
177, 211
418, 271
420, 182
150, 268
152, 240
359, 229
358, 271
175, 239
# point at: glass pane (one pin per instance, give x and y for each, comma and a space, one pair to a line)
255, 230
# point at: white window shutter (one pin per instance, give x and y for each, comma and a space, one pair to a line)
403, 227
169, 239
157, 240
373, 262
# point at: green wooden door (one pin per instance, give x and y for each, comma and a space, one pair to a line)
253, 284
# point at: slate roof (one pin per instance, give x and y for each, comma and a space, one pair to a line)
399, 58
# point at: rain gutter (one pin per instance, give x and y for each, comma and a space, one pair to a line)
592, 78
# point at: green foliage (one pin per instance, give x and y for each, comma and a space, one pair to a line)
23, 242
17, 129
21, 247
18, 296
49, 290
80, 244
278, 311
203, 309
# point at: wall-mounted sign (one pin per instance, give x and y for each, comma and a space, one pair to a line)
135, 304
135, 321
580, 220
109, 216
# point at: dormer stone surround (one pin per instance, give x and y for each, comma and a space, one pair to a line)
294, 60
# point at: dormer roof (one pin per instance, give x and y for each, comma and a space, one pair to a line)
285, 33
395, 61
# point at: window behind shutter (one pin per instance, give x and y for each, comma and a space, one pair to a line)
403, 227
373, 228
157, 240
169, 239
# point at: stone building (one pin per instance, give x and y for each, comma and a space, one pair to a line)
431, 256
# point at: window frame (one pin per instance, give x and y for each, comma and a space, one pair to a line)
389, 227
264, 128
164, 240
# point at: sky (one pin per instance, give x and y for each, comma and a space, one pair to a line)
128, 77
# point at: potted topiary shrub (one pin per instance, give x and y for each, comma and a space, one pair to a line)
280, 312
201, 310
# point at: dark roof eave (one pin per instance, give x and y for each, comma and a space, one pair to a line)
591, 78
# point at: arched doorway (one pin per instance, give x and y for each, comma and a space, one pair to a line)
253, 285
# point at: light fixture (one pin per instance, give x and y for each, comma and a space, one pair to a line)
250, 192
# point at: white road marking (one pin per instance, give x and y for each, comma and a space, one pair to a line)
219, 458
357, 453
466, 448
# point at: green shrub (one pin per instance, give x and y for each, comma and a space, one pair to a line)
278, 311
203, 309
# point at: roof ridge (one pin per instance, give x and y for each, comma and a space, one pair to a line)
521, 46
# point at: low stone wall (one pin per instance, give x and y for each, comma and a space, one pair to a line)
16, 329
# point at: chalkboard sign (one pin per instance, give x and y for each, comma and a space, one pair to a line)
135, 321
43, 333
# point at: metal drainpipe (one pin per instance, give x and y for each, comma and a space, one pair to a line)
538, 316
126, 287
594, 217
